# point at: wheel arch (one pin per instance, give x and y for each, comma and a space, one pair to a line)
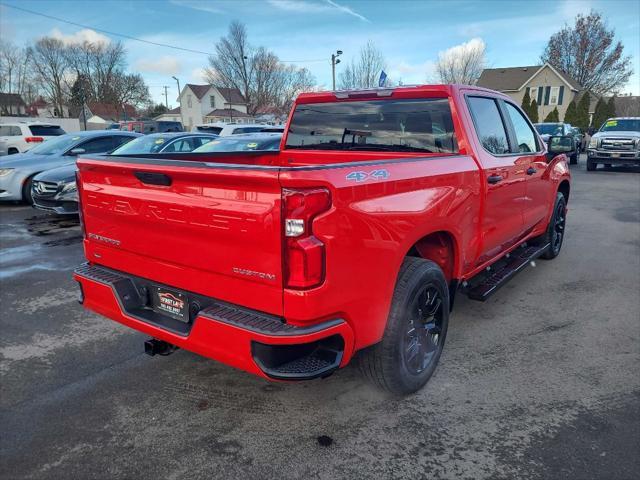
565, 188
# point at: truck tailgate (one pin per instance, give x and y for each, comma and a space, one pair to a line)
213, 230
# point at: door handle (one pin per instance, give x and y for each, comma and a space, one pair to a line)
493, 179
531, 171
153, 178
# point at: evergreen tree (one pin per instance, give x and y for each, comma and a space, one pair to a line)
571, 115
582, 120
601, 114
553, 116
526, 103
533, 111
611, 107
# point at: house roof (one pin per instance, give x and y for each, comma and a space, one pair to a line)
514, 78
111, 112
11, 99
231, 95
173, 111
226, 112
199, 90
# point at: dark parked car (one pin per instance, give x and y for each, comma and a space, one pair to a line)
548, 129
243, 143
54, 189
152, 126
165, 143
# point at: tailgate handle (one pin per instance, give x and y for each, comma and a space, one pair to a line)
153, 178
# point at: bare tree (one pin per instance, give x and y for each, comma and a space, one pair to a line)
588, 53
16, 74
463, 63
233, 64
363, 72
264, 81
51, 65
128, 89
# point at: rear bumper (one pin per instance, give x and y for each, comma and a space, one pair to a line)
258, 343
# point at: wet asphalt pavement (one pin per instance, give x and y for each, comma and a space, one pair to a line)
540, 382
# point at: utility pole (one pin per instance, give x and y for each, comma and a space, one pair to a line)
334, 61
166, 101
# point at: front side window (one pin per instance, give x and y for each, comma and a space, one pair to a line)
413, 125
489, 125
525, 137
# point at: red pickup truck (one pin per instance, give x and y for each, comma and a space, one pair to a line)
353, 238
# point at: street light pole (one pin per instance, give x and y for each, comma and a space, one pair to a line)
179, 100
334, 61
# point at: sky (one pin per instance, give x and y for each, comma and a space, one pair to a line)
410, 33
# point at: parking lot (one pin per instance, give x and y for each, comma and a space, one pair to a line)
541, 381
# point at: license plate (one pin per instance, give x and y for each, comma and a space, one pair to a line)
171, 303
615, 154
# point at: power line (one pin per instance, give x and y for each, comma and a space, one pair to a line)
129, 37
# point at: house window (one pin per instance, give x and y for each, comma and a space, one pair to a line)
189, 104
533, 94
212, 101
553, 98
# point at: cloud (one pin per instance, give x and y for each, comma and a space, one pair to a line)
202, 5
198, 75
411, 73
473, 45
81, 36
315, 7
167, 65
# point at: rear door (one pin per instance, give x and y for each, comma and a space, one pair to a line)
502, 222
210, 229
529, 152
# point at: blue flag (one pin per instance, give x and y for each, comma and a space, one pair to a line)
383, 78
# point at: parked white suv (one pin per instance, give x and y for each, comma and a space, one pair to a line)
21, 136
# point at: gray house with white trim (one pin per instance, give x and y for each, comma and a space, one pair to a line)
550, 87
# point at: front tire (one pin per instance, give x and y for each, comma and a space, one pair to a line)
413, 340
573, 159
26, 191
554, 236
591, 166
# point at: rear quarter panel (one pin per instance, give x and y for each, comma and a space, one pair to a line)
372, 225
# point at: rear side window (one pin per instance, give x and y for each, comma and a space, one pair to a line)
420, 125
9, 131
489, 125
524, 134
121, 140
46, 130
98, 145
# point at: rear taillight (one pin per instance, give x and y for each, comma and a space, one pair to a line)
79, 187
304, 254
33, 139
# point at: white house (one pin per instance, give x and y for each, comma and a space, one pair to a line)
209, 104
172, 115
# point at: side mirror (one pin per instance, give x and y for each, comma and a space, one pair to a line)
560, 144
77, 151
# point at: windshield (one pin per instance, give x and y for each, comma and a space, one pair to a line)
56, 146
618, 125
423, 125
231, 144
549, 128
146, 144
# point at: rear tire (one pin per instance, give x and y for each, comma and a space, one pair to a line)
554, 236
591, 166
413, 340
